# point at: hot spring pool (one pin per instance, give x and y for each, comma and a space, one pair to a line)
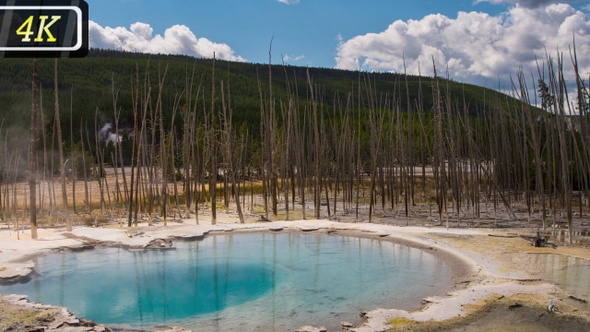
239, 282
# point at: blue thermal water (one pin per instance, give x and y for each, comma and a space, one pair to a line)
239, 282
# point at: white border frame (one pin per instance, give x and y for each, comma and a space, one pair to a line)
79, 38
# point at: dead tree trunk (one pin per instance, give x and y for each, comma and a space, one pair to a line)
213, 151
62, 169
33, 154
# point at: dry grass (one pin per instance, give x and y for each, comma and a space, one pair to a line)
17, 318
521, 312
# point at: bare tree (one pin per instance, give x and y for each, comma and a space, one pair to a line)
33, 154
62, 170
213, 171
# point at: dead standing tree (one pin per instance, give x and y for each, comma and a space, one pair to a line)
62, 169
231, 160
440, 182
213, 171
558, 88
33, 154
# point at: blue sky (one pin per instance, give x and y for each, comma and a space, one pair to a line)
308, 28
476, 39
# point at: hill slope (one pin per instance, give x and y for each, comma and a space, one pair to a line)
88, 84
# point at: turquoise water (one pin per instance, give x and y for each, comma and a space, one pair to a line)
238, 282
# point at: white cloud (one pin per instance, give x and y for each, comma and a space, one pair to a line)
474, 47
178, 39
289, 2
289, 58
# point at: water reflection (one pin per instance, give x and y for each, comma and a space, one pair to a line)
562, 236
239, 282
568, 272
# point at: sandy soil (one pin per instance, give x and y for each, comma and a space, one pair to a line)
492, 270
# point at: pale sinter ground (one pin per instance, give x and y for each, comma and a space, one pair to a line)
498, 280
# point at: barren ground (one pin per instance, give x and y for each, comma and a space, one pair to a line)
499, 286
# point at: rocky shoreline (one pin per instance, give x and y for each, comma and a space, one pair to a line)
19, 314
477, 277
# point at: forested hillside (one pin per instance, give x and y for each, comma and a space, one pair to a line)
86, 87
178, 133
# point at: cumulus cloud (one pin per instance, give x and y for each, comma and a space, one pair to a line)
289, 2
526, 3
178, 39
474, 47
290, 58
